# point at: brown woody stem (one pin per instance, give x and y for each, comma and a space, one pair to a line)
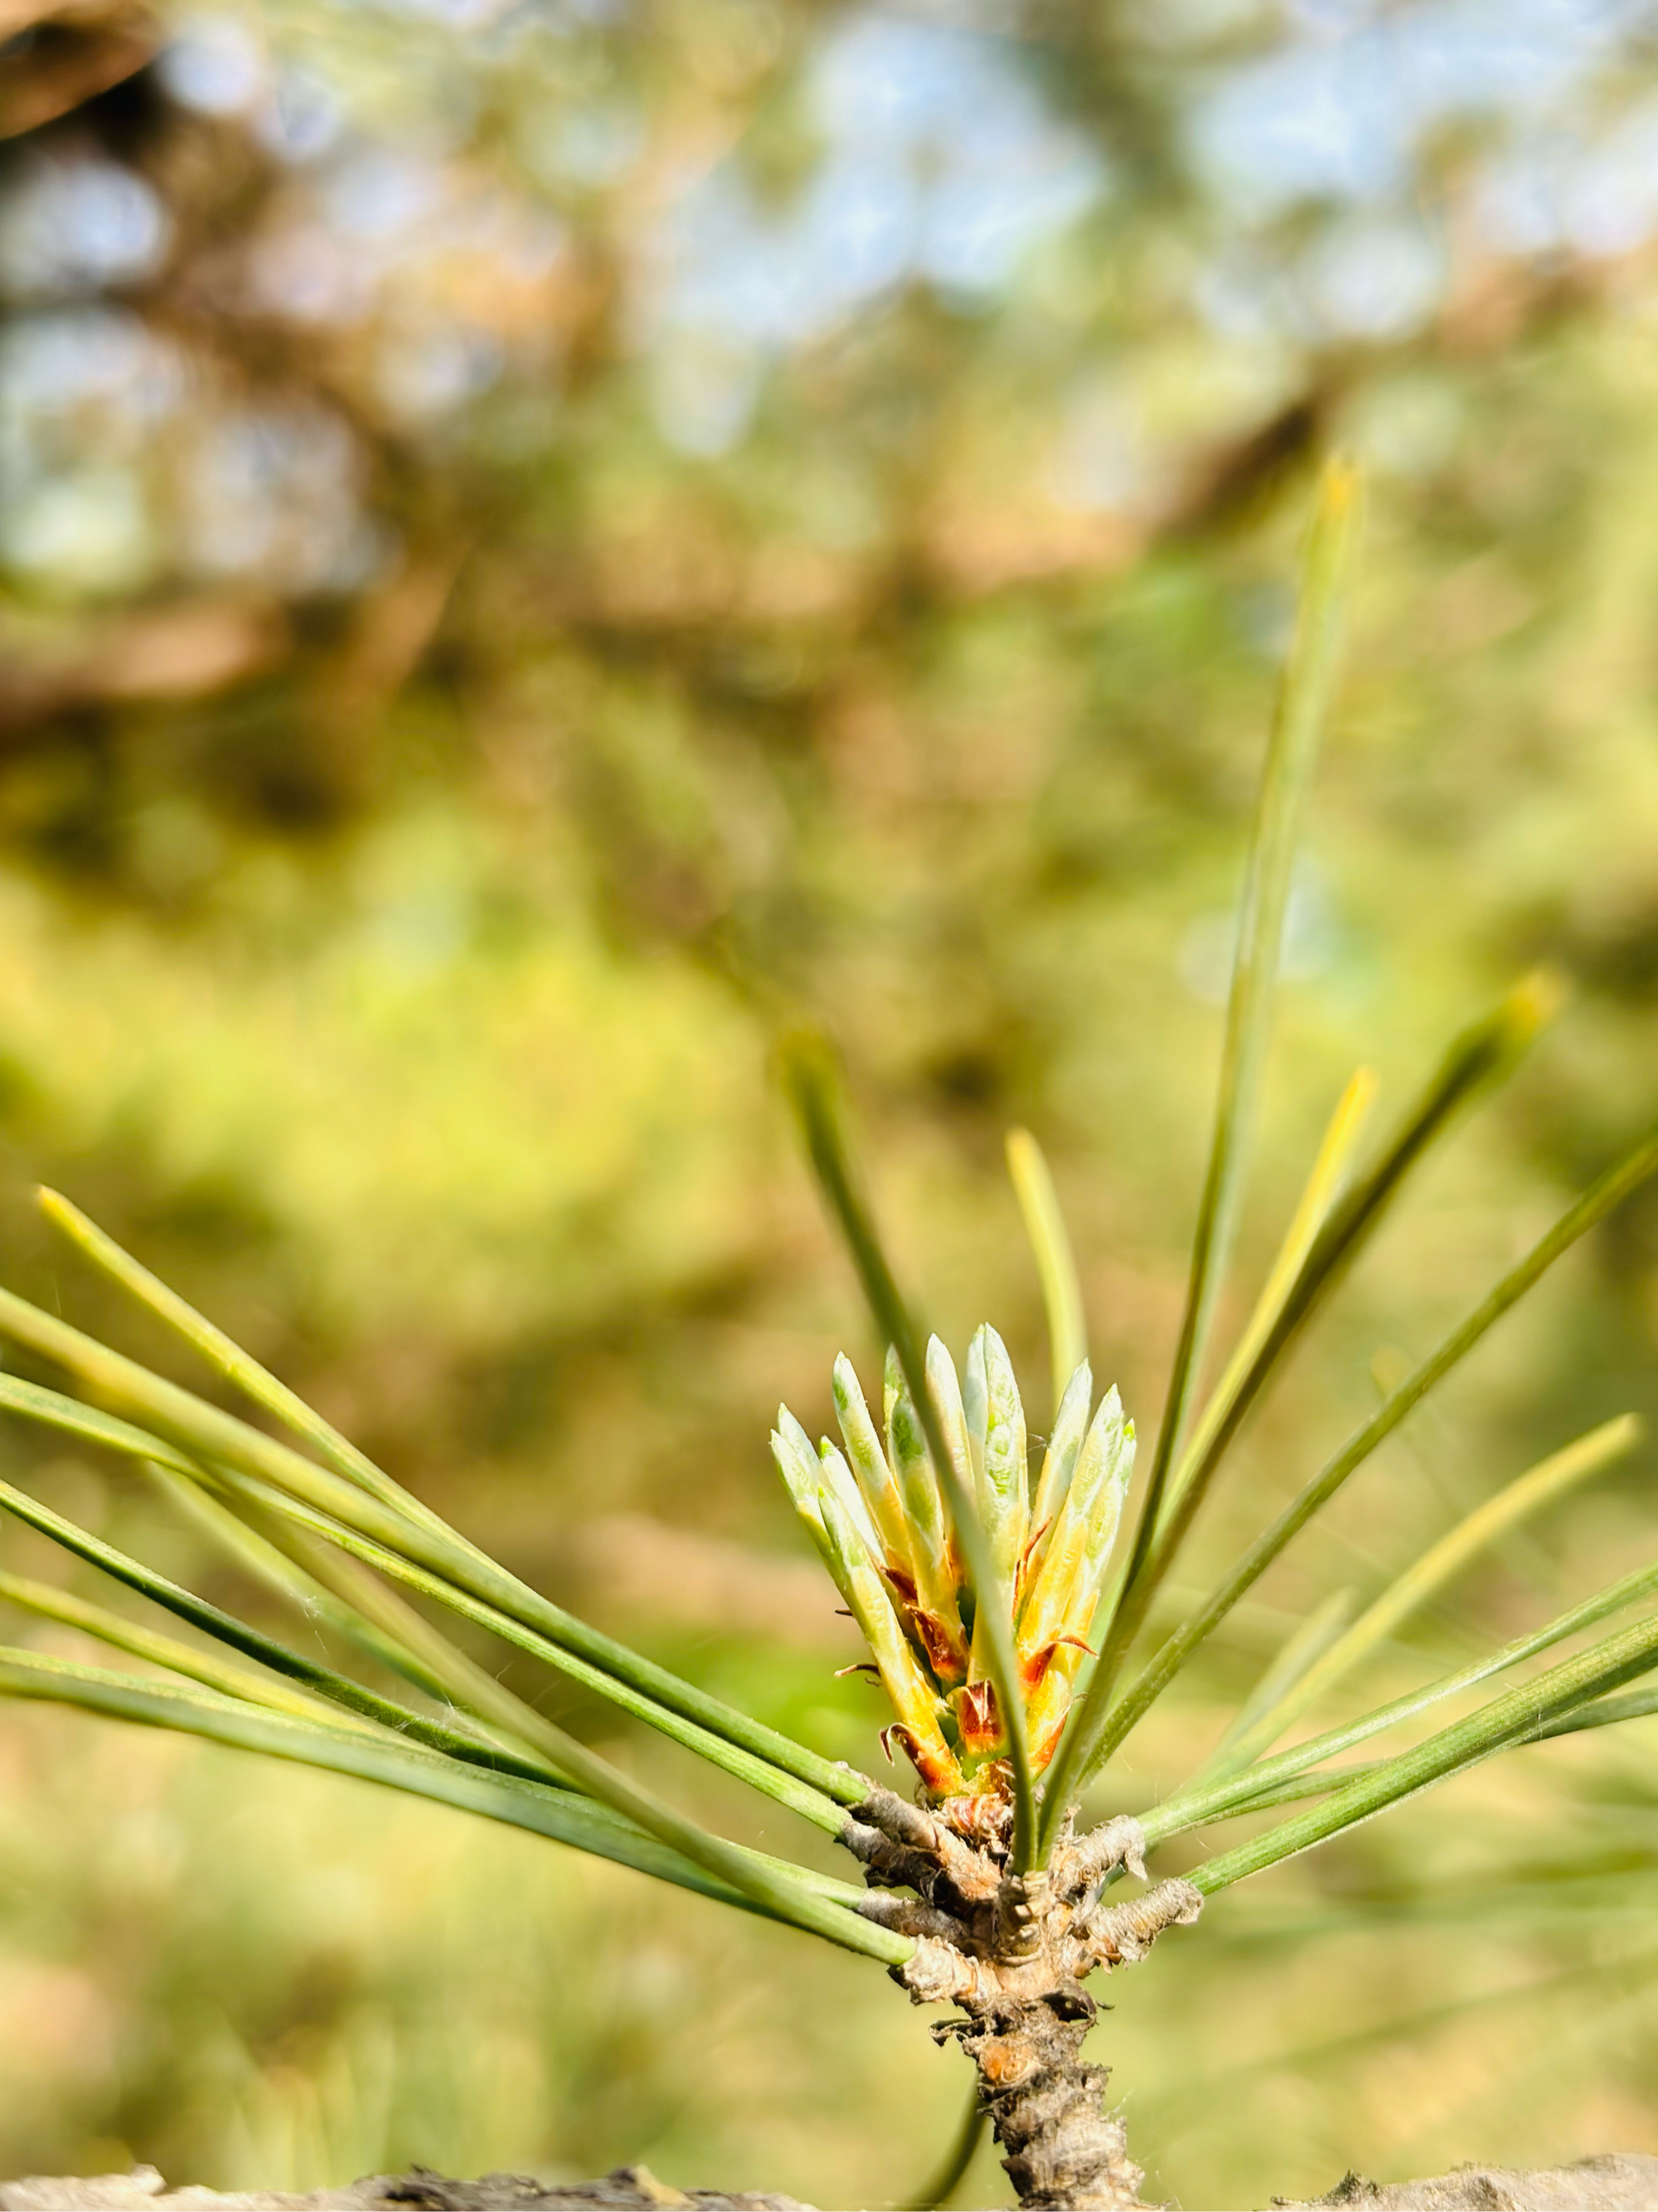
1046, 2104
1011, 1950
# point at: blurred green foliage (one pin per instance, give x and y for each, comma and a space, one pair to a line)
540, 537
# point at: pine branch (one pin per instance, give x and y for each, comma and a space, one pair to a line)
1510, 1719
749, 1879
1477, 1058
1110, 1730
809, 1072
193, 1432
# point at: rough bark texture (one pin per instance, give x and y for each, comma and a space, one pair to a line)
630, 2189
1012, 1951
1047, 2108
1613, 2184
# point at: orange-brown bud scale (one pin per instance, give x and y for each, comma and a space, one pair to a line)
979, 1722
939, 1776
946, 1654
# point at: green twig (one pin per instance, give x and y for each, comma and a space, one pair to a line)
949, 2177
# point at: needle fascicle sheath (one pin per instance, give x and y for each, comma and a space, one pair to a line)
1059, 1465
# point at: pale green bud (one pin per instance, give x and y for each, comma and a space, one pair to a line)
937, 1607
835, 1471
1059, 1463
1063, 1591
797, 1463
806, 1475
869, 1465
912, 1465
947, 1397
919, 1709
995, 1425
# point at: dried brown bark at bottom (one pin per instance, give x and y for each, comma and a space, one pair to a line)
1047, 2107
1617, 2181
1614, 2183
1012, 1951
629, 2189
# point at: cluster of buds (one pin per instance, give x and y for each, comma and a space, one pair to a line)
880, 1519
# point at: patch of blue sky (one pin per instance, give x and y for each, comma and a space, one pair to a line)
56, 363
779, 278
878, 76
77, 222
979, 221
1372, 277
1609, 204
215, 63
941, 162
1342, 116
378, 194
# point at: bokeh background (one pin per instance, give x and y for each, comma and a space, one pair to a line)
538, 534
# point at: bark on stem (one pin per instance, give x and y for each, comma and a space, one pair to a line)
1011, 1950
1047, 2104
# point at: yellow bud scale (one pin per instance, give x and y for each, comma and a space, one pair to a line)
877, 1514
